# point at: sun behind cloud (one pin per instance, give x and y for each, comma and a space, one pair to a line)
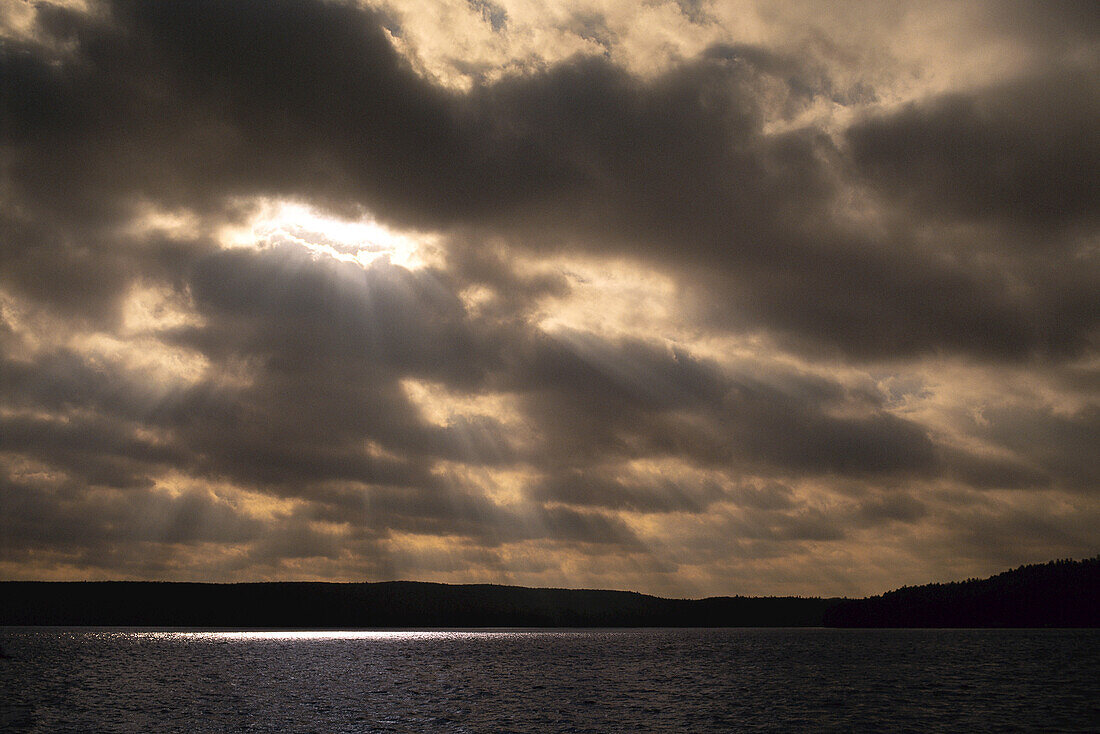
682, 297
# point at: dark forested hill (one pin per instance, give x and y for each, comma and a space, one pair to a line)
388, 604
1055, 594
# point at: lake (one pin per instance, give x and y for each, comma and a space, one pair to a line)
649, 680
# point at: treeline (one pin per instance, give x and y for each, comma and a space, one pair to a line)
1056, 594
399, 604
1062, 593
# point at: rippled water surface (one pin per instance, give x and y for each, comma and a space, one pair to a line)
126, 680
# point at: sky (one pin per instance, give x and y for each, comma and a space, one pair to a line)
689, 298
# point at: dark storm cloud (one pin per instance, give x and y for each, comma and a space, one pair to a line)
311, 309
596, 488
311, 99
1023, 153
250, 439
974, 213
62, 381
328, 364
1061, 26
297, 423
995, 472
1007, 535
334, 339
205, 429
37, 516
331, 342
597, 400
895, 506
473, 261
1062, 445
771, 496
151, 535
93, 451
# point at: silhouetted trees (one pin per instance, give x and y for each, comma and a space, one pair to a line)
387, 604
1062, 593
1056, 594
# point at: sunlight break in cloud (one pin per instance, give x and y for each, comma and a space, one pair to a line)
359, 241
682, 297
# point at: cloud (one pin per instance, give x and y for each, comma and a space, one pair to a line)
1022, 153
747, 310
677, 168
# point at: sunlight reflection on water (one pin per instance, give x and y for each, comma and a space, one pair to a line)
317, 635
720, 680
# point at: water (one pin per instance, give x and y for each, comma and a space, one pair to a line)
784, 680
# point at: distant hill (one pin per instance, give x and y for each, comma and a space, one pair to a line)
1056, 594
398, 604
